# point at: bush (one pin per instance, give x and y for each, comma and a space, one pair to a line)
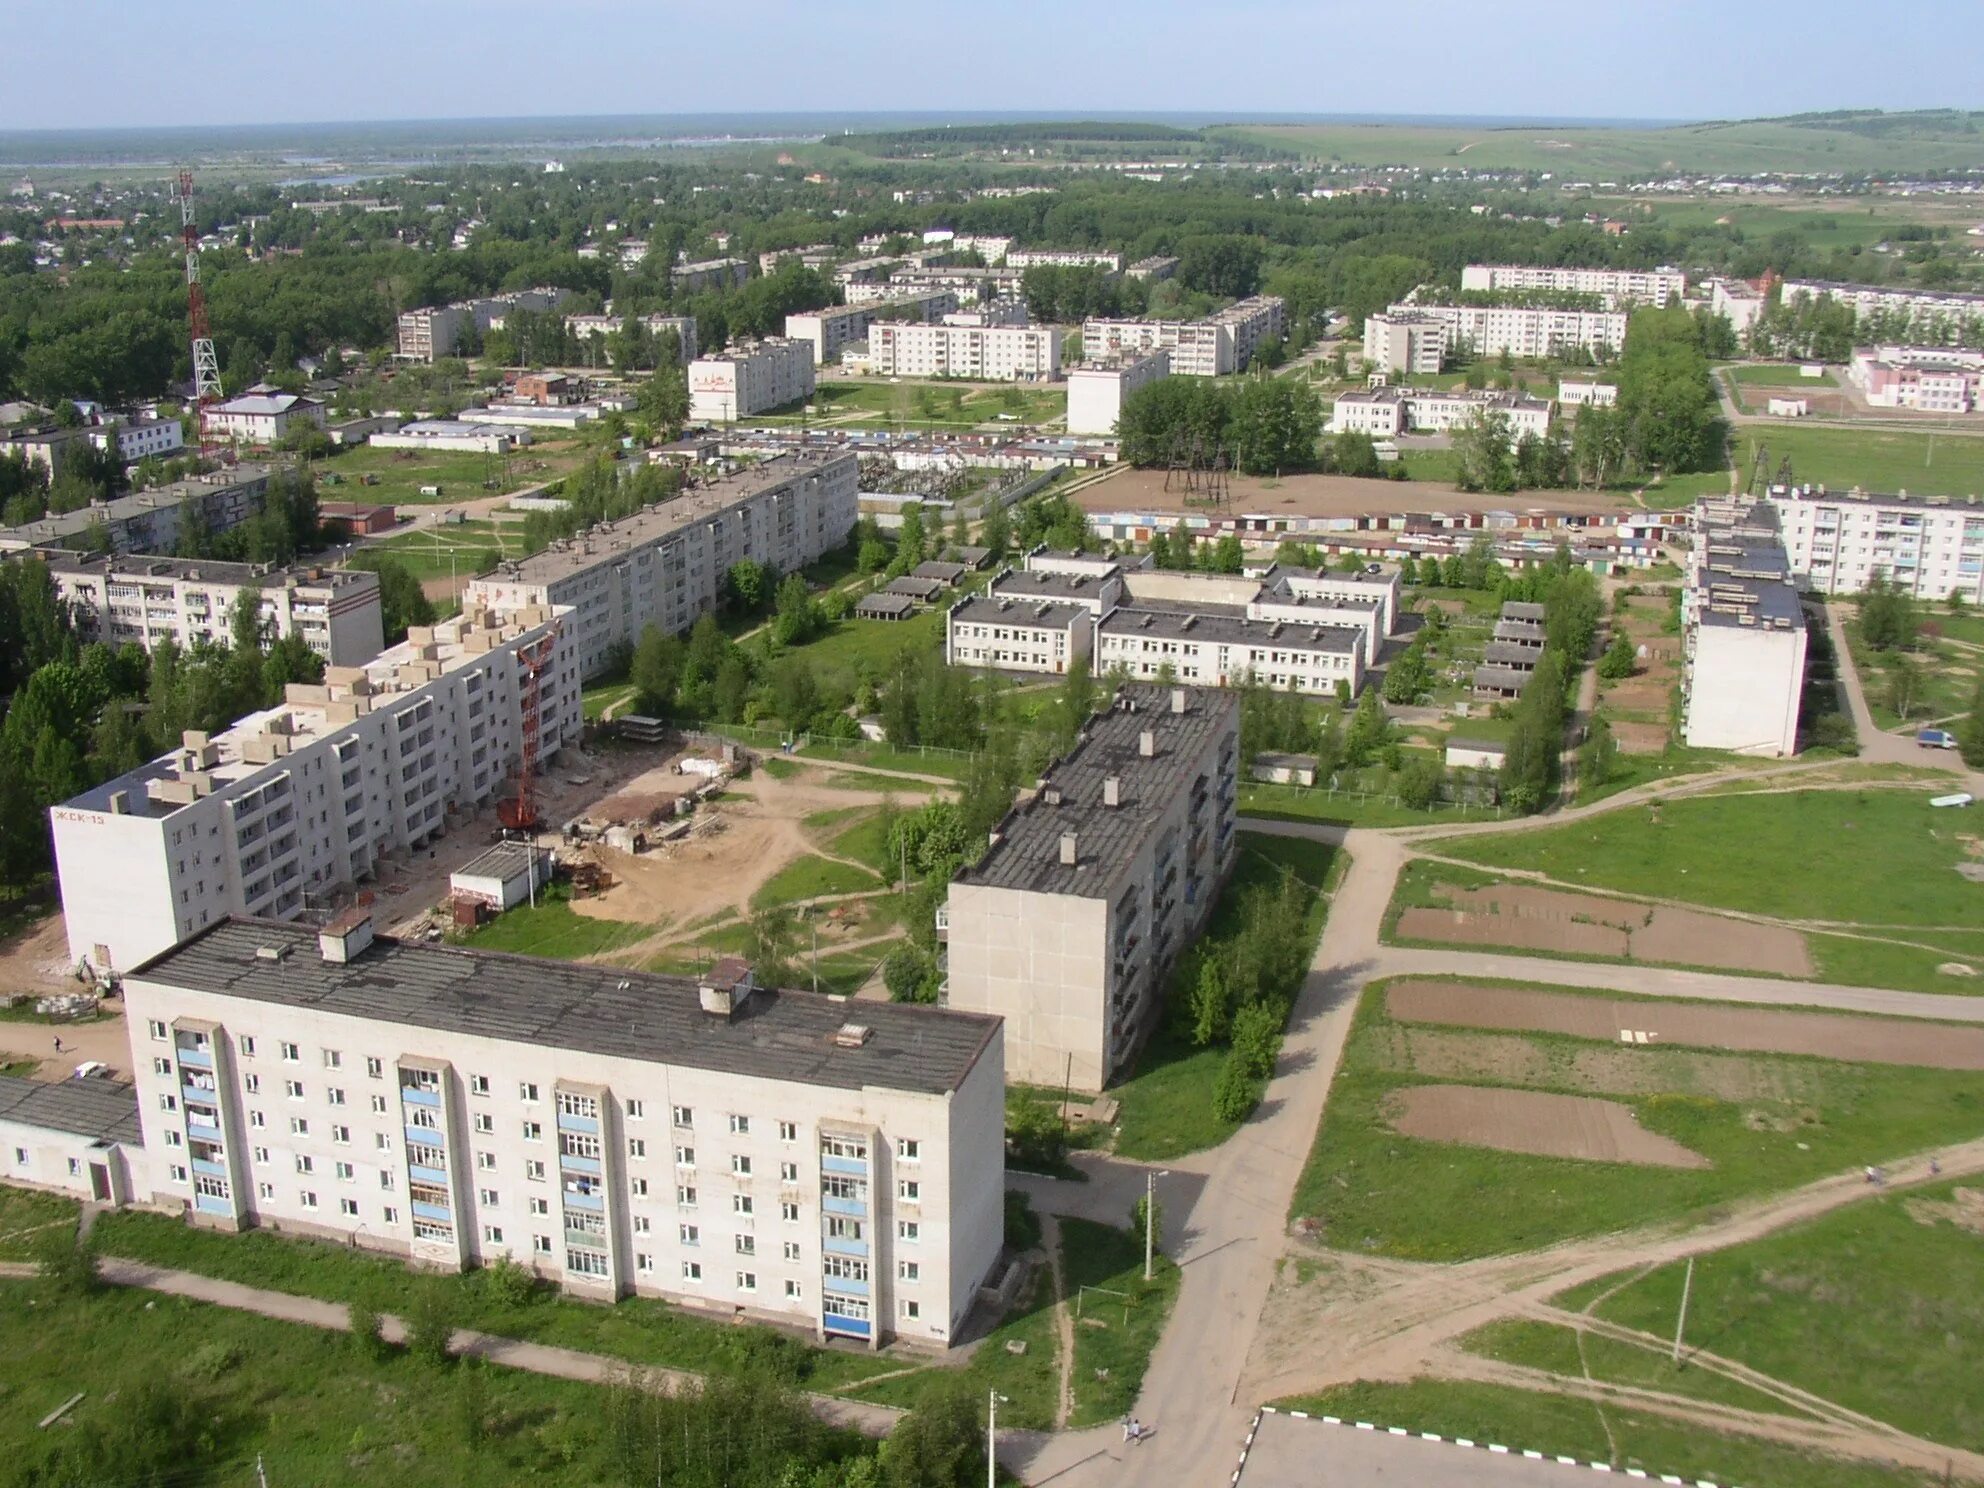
67, 1261
1237, 1092
366, 1338
1034, 1136
509, 1283
1835, 731
209, 1362
1022, 1224
1618, 660
1257, 1036
430, 1324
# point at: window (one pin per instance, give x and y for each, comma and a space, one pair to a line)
788, 1172
792, 1291
488, 1198
848, 1147
792, 1250
247, 1043
747, 1281
299, 1126
643, 1262
541, 1244
643, 1225
333, 1059
685, 1157
911, 1310
909, 1191
684, 1116
636, 1110
346, 1172
178, 1173
252, 1084
788, 1131
389, 1214
485, 1160
156, 1029
740, 1126
747, 1244
908, 1231
636, 1147
348, 1208
290, 1053
533, 1131
692, 1270
638, 1187
540, 1206
378, 1105
335, 1096
527, 1091
341, 1136
690, 1234
534, 1170
740, 1204
261, 1155
789, 1212
741, 1165
374, 1067
162, 1066
305, 1163
685, 1195
265, 1191
168, 1102
383, 1142
478, 1084
492, 1234
909, 1271
307, 1199
484, 1123
909, 1149
293, 1089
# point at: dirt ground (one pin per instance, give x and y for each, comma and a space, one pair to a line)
1444, 1054
1534, 1121
1327, 496
1964, 1208
1702, 1025
1640, 738
1588, 925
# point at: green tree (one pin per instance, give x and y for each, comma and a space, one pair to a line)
748, 585
1970, 732
940, 1444
1619, 659
1209, 1004
402, 602
656, 671
1482, 454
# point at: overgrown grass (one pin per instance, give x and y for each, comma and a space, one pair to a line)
1119, 1323
1878, 1306
1878, 459
637, 1329
554, 929
1564, 1425
26, 1214
1552, 1347
1028, 1381
1857, 857
1375, 1190
812, 877
867, 841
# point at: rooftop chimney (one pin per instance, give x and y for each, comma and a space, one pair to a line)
1069, 846
345, 938
1112, 791
725, 987
1177, 700
1147, 744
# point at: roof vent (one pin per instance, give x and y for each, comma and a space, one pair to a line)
852, 1035
1178, 700
347, 936
725, 987
1070, 849
271, 952
1147, 744
1112, 791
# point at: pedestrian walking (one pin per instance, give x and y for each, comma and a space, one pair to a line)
58, 1043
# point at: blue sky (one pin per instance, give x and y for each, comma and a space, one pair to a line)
117, 63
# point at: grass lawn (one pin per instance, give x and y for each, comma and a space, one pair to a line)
1860, 857
1629, 770
1561, 1425
1949, 677
1536, 1345
1672, 491
638, 1329
1028, 1381
854, 649
1778, 374
1166, 1105
302, 1402
947, 762
1848, 961
1880, 460
812, 877
1802, 1119
1351, 808
554, 929
961, 406
866, 841
460, 474
1878, 1306
25, 1215
1118, 1325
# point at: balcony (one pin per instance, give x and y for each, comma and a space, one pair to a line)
591, 1203
850, 1208
586, 1124
571, 1162
584, 1239
208, 1204
847, 1287
421, 1173
211, 1169
437, 1212
204, 1095
416, 1095
202, 1120
197, 1058
852, 1166
423, 1136
836, 1245
850, 1327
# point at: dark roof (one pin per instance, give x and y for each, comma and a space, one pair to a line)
1522, 609
1501, 678
505, 861
1027, 854
990, 609
976, 557
1198, 624
916, 588
886, 606
932, 568
103, 1109
1031, 583
605, 1010
1512, 656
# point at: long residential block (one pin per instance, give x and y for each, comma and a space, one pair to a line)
1520, 331
1095, 883
832, 330
1385, 412
665, 565
149, 521
1837, 541
305, 799
773, 1155
750, 378
989, 353
1211, 347
1646, 286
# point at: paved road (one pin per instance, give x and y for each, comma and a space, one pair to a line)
1876, 744
1306, 1453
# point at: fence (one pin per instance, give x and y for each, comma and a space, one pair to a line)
1462, 803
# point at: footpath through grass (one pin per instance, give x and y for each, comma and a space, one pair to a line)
1859, 857
26, 1215
1563, 1425
1878, 1307
637, 1329
1765, 1122
1120, 1316
1555, 1348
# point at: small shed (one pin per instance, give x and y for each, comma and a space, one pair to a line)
503, 876
1499, 682
1475, 754
1788, 407
973, 557
885, 606
1285, 769
944, 573
909, 585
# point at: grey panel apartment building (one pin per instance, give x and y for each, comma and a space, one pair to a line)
665, 565
148, 521
745, 1151
1094, 884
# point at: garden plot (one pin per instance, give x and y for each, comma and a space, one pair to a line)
1539, 919
1640, 1021
1535, 1122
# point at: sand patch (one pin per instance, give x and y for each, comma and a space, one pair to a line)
1964, 1208
1535, 1122
1639, 738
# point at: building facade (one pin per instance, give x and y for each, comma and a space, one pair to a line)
710, 273
1743, 634
1932, 546
1211, 347
1011, 633
733, 1149
1520, 331
984, 353
588, 327
264, 418
76, 1137
665, 566
832, 330
149, 521
1922, 317
1385, 412
1930, 379
1096, 392
1644, 286
752, 377
306, 799
1093, 885
1063, 258
334, 611
1403, 343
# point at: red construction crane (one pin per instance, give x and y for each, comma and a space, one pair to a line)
206, 366
519, 812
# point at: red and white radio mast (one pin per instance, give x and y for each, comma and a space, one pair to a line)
206, 366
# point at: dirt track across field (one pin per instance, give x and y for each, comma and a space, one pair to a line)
1701, 1025
1326, 496
1534, 1121
1538, 919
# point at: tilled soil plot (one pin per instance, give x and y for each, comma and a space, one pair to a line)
1533, 1121
1702, 1025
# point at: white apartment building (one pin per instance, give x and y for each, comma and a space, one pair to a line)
1219, 650
752, 377
1521, 331
709, 273
263, 418
771, 1155
1063, 258
1645, 286
969, 284
1212, 347
1096, 881
148, 521
1012, 633
1096, 391
1922, 317
1404, 343
1930, 379
306, 798
1587, 394
1157, 266
984, 353
1743, 634
1933, 546
1385, 412
586, 327
117, 599
142, 438
1736, 301
665, 565
832, 330
991, 247
77, 1137
431, 332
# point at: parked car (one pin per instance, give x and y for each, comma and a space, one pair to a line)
1936, 739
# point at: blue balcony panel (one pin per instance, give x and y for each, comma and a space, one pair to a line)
852, 1327
845, 1247
578, 1123
572, 1163
208, 1204
853, 1166
202, 1097
198, 1058
438, 1212
846, 1285
855, 1208
415, 1096
421, 1173
424, 1136
592, 1203
211, 1169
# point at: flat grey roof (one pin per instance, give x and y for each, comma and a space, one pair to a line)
1508, 654
1045, 614
1198, 625
102, 1109
1484, 746
972, 556
1519, 630
1029, 583
1522, 609
887, 606
504, 861
1501, 678
1027, 854
603, 1010
137, 504
914, 587
932, 568
141, 566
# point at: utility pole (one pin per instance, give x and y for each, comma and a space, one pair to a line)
1150, 1217
993, 1397
261, 1477
1681, 1321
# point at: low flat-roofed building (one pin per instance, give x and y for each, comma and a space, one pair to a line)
1386, 412
885, 606
1284, 769
1500, 681
504, 876
79, 1137
1465, 753
1217, 650
948, 574
1013, 634
924, 590
455, 434
776, 1155
263, 418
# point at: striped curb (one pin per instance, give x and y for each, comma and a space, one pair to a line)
1253, 1430
1460, 1441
